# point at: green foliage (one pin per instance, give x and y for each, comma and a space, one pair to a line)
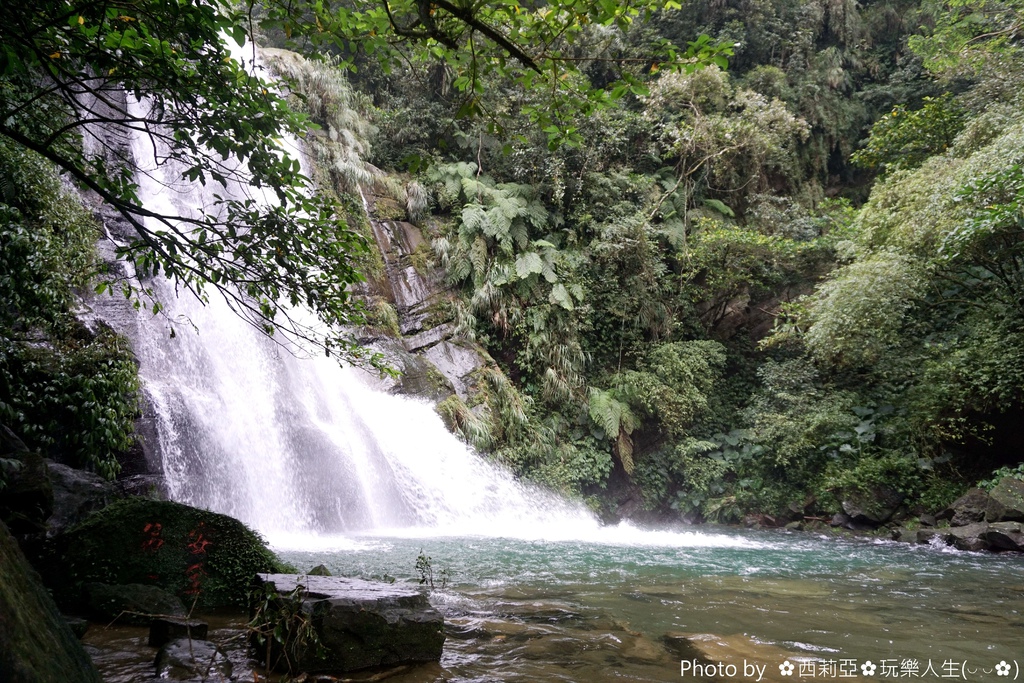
1000, 474
905, 138
617, 421
281, 628
201, 107
425, 567
865, 309
694, 210
969, 36
795, 414
675, 382
464, 423
718, 138
76, 400
46, 242
63, 389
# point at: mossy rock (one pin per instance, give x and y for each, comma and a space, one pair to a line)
195, 554
36, 644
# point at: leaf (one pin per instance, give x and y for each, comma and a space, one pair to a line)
560, 296
719, 207
528, 264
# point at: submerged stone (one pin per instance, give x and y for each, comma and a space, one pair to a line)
359, 624
733, 656
165, 629
184, 659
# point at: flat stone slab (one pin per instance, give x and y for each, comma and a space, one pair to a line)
362, 624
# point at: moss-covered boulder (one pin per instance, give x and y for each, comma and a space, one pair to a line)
36, 644
195, 554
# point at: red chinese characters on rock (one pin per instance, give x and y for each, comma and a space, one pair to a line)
197, 545
151, 536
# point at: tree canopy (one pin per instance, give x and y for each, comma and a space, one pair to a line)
78, 78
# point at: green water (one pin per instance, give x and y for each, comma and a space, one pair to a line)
600, 610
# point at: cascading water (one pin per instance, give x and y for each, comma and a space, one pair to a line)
301, 447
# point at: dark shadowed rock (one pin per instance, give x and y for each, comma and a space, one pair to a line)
361, 624
1005, 536
874, 508
185, 660
133, 603
27, 498
76, 495
967, 537
36, 644
1006, 501
77, 625
839, 519
967, 509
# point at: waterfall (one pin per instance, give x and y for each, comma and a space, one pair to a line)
301, 448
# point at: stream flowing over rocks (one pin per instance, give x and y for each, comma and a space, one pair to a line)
978, 520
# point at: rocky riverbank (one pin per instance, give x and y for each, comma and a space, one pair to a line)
978, 521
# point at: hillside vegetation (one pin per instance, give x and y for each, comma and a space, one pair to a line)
751, 256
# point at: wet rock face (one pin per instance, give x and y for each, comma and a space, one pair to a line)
873, 509
36, 643
185, 659
76, 495
360, 624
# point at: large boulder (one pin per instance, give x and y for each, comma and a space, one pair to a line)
76, 495
197, 555
872, 508
968, 508
969, 537
1005, 536
27, 497
36, 644
359, 624
1006, 501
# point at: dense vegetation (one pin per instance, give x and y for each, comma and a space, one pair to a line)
768, 288
763, 284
